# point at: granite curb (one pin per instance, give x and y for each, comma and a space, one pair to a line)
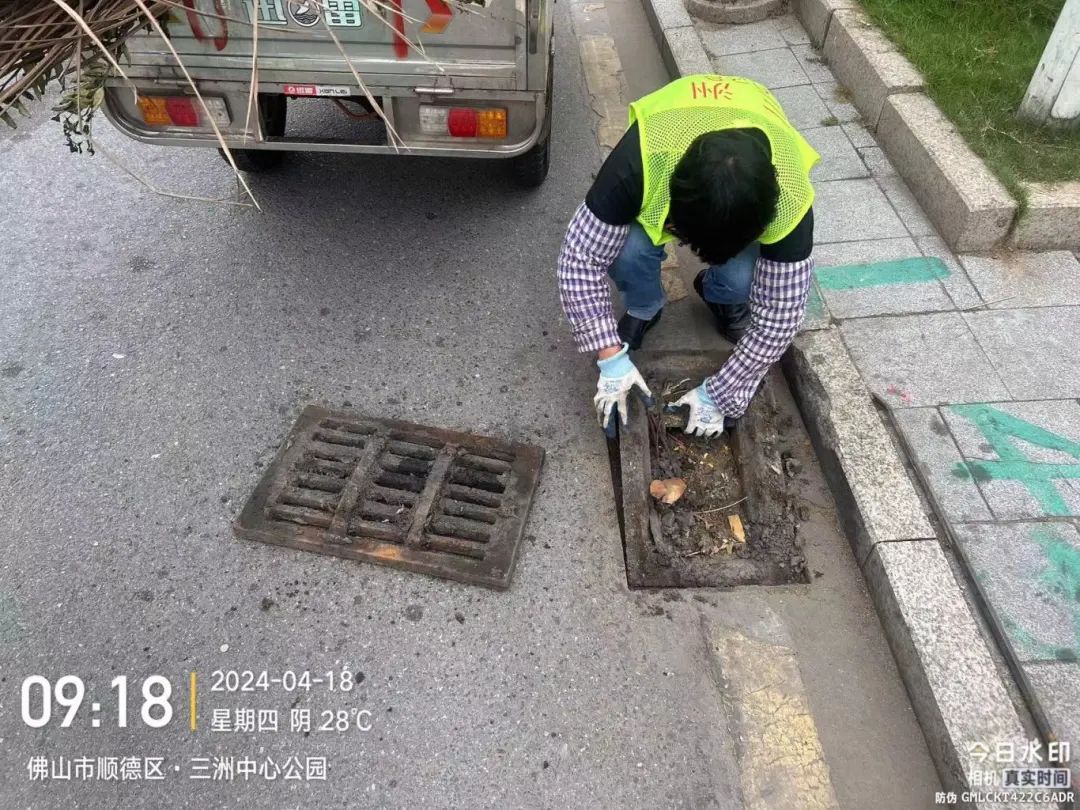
680, 46
959, 696
963, 198
958, 693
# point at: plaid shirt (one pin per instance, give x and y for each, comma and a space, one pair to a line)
777, 305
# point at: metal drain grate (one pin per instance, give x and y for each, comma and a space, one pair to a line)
435, 501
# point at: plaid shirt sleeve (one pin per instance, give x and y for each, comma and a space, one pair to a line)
589, 249
777, 306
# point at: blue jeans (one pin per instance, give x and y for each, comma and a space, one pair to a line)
636, 272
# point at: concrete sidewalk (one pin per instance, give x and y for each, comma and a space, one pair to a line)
975, 356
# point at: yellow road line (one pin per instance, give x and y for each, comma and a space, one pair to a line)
604, 81
194, 693
782, 764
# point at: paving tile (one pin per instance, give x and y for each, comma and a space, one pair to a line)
838, 101
720, 40
817, 311
1025, 279
876, 162
1027, 572
839, 160
792, 31
869, 250
813, 63
957, 285
1024, 456
911, 213
936, 456
866, 291
858, 134
1034, 350
773, 68
853, 210
803, 107
1057, 688
920, 360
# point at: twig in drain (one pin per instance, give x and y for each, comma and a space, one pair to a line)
720, 508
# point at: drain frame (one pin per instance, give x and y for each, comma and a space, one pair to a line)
431, 538
643, 565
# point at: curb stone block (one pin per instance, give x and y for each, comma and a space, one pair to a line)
1059, 682
954, 686
680, 45
683, 53
664, 14
1052, 219
815, 16
877, 500
867, 63
968, 205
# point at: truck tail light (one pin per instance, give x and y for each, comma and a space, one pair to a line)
463, 122
182, 111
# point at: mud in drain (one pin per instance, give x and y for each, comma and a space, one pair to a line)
736, 523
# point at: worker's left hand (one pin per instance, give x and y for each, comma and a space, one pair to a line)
705, 418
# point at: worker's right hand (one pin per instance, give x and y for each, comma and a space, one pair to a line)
618, 376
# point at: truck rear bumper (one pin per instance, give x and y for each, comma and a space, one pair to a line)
527, 114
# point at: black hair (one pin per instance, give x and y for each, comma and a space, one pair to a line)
723, 194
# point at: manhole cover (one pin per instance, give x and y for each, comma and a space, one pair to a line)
746, 475
429, 500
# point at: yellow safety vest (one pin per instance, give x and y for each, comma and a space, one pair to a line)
672, 117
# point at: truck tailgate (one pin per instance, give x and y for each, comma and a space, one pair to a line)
476, 47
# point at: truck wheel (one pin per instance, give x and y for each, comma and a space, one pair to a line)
255, 160
530, 169
272, 111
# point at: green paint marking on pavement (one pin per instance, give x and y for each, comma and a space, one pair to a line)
1059, 583
815, 306
918, 270
1027, 644
1000, 430
1062, 575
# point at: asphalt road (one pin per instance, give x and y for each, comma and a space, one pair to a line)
154, 351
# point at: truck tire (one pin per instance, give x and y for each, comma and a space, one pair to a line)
255, 160
530, 169
272, 110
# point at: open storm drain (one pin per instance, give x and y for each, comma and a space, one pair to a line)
733, 517
429, 500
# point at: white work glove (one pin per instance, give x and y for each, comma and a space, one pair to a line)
618, 375
705, 418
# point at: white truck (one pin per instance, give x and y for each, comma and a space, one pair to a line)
444, 78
